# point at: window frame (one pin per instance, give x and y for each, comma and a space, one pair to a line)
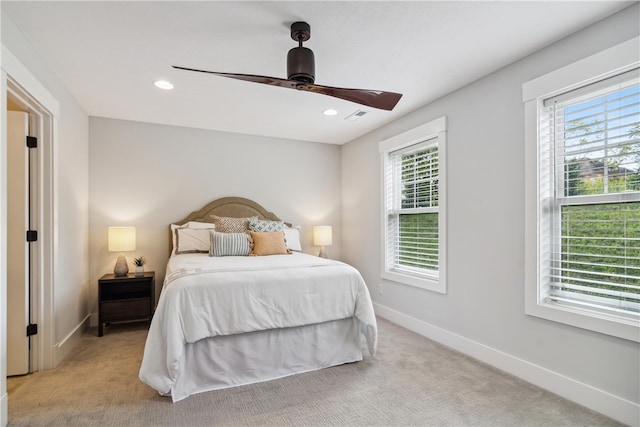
610, 62
435, 131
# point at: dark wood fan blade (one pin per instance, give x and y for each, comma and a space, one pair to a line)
371, 98
273, 81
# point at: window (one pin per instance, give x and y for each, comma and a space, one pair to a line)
414, 206
588, 204
589, 156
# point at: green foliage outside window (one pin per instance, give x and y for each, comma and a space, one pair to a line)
419, 240
601, 246
420, 178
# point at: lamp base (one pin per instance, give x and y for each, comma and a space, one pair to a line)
323, 252
121, 268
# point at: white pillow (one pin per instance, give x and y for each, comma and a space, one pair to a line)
292, 236
192, 240
190, 224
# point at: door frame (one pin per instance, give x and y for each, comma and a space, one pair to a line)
18, 82
41, 284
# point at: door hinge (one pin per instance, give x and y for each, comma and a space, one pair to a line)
32, 142
32, 329
32, 235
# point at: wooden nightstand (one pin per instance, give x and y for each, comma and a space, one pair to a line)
125, 298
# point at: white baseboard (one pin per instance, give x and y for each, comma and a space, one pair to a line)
63, 348
613, 406
4, 411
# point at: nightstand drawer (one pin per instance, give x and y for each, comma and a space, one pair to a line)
125, 290
114, 311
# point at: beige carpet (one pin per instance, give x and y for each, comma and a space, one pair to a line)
412, 381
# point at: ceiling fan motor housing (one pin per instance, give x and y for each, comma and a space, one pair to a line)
301, 65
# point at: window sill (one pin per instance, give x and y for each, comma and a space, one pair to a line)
434, 284
585, 319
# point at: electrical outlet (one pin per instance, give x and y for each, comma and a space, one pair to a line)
381, 289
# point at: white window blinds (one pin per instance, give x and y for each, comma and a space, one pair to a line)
412, 209
589, 182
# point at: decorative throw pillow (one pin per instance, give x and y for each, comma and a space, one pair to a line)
225, 224
229, 244
262, 225
192, 240
268, 243
292, 236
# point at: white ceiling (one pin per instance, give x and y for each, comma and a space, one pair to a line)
109, 53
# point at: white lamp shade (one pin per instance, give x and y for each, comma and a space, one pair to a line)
322, 235
122, 239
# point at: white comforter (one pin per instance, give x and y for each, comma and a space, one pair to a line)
206, 296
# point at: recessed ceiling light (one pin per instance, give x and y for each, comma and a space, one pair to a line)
163, 84
330, 112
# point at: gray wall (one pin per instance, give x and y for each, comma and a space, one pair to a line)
485, 300
149, 176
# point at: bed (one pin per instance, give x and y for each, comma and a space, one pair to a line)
225, 320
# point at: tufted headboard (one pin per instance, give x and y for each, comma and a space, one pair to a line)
236, 207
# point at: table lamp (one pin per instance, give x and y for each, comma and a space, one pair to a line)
322, 236
122, 239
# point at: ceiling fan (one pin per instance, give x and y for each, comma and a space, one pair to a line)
301, 76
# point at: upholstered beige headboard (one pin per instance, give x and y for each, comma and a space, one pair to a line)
235, 207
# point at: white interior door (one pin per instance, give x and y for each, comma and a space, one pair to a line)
17, 246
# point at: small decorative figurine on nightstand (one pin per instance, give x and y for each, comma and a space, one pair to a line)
139, 263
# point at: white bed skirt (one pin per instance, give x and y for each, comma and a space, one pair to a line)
228, 361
